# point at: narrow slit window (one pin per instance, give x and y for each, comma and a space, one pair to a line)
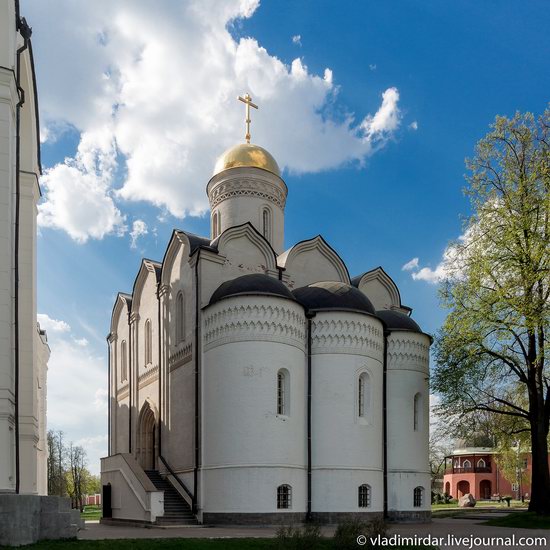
363, 395
266, 223
148, 342
123, 362
180, 318
283, 392
417, 406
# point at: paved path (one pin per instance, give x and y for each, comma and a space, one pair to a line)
441, 528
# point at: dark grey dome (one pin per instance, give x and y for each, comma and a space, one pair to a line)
256, 284
328, 295
396, 320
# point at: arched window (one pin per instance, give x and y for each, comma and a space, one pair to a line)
216, 224
466, 464
148, 342
283, 392
417, 413
418, 496
363, 395
123, 361
481, 463
284, 497
364, 496
266, 223
180, 318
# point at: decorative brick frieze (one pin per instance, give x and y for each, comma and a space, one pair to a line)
408, 351
150, 375
247, 187
252, 322
181, 356
350, 336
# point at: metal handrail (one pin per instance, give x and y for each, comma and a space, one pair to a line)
173, 474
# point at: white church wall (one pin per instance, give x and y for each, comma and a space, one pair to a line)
407, 376
346, 444
251, 449
179, 381
312, 261
244, 254
120, 378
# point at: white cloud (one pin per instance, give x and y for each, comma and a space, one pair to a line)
77, 381
413, 125
297, 39
52, 325
386, 120
410, 265
372, 66
135, 79
139, 228
451, 264
78, 198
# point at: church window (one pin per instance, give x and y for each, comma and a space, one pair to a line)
363, 395
180, 318
266, 223
417, 412
123, 362
364, 496
418, 496
148, 343
283, 392
284, 497
216, 224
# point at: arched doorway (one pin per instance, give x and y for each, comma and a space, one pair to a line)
462, 488
147, 443
485, 489
447, 488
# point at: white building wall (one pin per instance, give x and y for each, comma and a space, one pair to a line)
250, 450
346, 448
8, 100
31, 373
407, 375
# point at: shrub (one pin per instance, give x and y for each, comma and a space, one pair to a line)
347, 532
307, 537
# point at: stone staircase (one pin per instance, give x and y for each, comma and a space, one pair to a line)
176, 509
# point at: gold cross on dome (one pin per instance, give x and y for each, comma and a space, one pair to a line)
247, 100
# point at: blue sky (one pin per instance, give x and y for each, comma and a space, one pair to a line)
382, 182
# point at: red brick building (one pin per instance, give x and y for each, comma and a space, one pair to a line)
474, 470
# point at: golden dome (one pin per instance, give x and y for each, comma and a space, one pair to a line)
247, 155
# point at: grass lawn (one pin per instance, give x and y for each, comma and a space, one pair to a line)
481, 504
522, 520
91, 512
184, 544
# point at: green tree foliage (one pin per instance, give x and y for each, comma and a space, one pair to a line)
491, 352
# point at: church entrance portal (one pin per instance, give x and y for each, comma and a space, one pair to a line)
147, 438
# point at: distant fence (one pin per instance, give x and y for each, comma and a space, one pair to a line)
92, 500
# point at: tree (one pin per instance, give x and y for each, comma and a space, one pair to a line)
77, 475
56, 463
491, 351
510, 463
440, 447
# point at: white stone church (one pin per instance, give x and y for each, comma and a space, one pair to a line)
253, 384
